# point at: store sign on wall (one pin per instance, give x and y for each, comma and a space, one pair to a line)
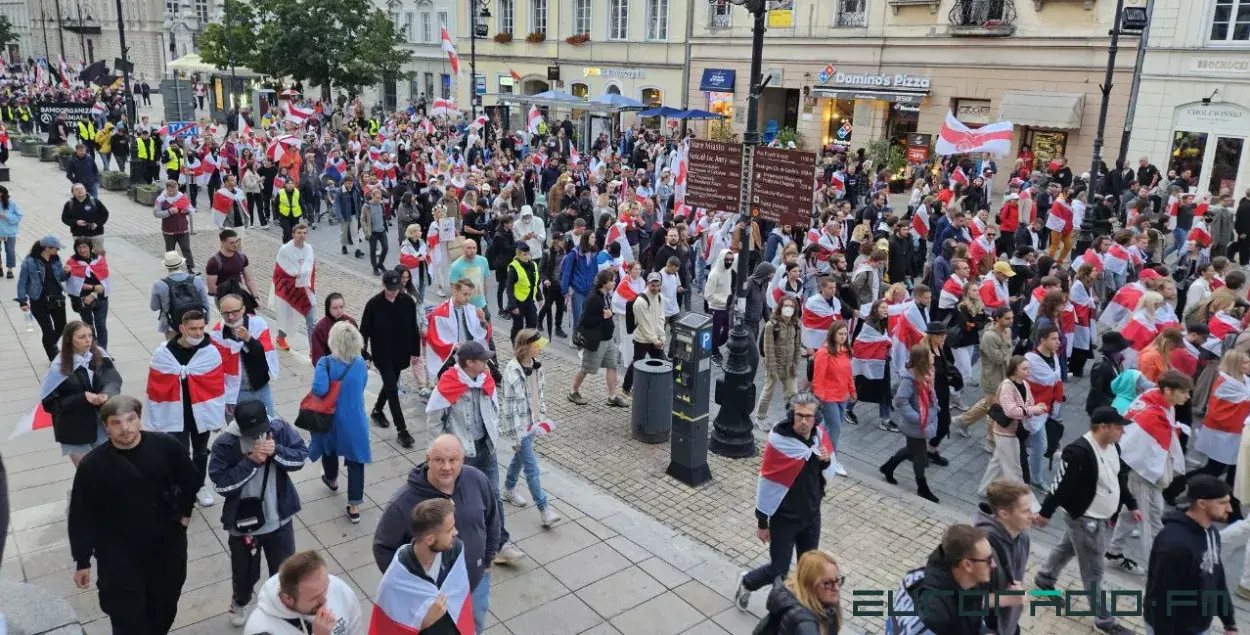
1220, 65
1197, 117
975, 111
631, 73
880, 81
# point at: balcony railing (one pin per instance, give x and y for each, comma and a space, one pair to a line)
986, 18
851, 19
720, 20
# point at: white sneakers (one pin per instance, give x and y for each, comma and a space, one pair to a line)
838, 469
205, 497
238, 615
550, 517
508, 554
515, 497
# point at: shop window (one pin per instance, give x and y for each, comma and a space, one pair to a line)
1188, 149
652, 97
1231, 21
901, 120
721, 104
580, 90
838, 123
1046, 144
506, 85
1224, 166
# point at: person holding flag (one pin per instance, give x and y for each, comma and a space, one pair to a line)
294, 285
229, 204
88, 287
426, 587
797, 463
174, 209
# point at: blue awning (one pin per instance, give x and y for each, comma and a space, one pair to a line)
717, 80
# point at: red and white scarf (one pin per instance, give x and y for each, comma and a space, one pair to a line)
39, 418
818, 315
404, 599
1140, 332
79, 271
230, 349
206, 380
869, 352
994, 294
223, 204
1150, 439
627, 291
1046, 383
784, 458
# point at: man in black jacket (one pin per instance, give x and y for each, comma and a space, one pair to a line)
1090, 485
788, 518
901, 253
1185, 581
431, 557
387, 324
82, 168
242, 334
1105, 371
85, 216
1241, 227
946, 595
129, 508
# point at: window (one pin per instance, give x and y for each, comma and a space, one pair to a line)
507, 85
414, 88
426, 29
1231, 22
507, 14
201, 11
443, 23
618, 19
580, 90
657, 19
446, 86
538, 16
581, 17
851, 13
171, 8
429, 85
409, 33
719, 16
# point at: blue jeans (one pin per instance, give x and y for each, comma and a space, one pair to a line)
579, 299
488, 462
883, 409
355, 477
263, 395
525, 458
1036, 448
1179, 236
835, 414
10, 255
96, 316
310, 323
481, 602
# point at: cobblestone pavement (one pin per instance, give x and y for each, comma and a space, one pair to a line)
877, 531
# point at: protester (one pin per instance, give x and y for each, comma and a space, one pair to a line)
598, 350
391, 345
41, 290
1005, 517
648, 336
87, 285
935, 598
833, 382
304, 598
335, 312
782, 351
85, 216
10, 222
249, 360
294, 297
78, 383
174, 209
175, 294
522, 417
915, 409
427, 582
226, 271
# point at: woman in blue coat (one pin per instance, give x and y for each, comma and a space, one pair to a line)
349, 433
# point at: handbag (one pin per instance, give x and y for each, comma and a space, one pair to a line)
316, 414
249, 514
999, 416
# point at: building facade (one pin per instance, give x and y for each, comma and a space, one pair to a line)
851, 71
18, 13
429, 75
1193, 108
86, 30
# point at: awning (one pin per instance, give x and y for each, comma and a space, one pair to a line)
717, 80
1057, 111
909, 97
192, 63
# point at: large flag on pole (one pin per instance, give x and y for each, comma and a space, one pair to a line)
957, 138
535, 118
451, 52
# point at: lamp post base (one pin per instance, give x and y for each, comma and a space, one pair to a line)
732, 430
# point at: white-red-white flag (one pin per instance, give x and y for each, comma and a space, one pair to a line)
957, 138
452, 58
535, 117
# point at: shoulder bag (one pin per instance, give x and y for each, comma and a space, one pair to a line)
316, 414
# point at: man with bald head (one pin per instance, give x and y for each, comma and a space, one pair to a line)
478, 516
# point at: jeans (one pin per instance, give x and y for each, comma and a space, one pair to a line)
481, 602
785, 540
524, 458
278, 545
487, 461
264, 395
377, 239
1179, 236
93, 189
197, 442
355, 477
1036, 448
835, 414
10, 255
1086, 539
96, 316
578, 300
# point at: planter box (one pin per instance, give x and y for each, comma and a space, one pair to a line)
63, 161
29, 149
146, 194
130, 191
115, 181
47, 153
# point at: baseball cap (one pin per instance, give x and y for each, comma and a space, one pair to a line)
1206, 487
1004, 268
392, 280
654, 276
473, 349
49, 242
251, 417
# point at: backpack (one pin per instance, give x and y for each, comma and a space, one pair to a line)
629, 312
183, 297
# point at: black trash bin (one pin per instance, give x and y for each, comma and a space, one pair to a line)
653, 400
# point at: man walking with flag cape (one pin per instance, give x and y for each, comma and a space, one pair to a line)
426, 588
797, 462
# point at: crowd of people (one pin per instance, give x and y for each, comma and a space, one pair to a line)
867, 303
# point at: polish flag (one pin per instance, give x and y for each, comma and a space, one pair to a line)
1140, 332
920, 223
1083, 305
784, 458
297, 115
230, 350
994, 294
404, 599
1122, 305
534, 118
869, 352
79, 271
1227, 410
957, 138
207, 382
223, 205
452, 58
443, 332
818, 316
1150, 439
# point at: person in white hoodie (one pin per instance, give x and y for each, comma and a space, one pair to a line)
303, 599
717, 292
530, 229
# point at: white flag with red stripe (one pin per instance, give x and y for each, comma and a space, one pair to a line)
1140, 332
784, 458
958, 175
230, 349
907, 327
404, 599
38, 418
957, 138
1200, 233
1150, 439
534, 118
1046, 383
1117, 259
920, 222
443, 332
223, 204
952, 292
818, 315
1083, 306
452, 58
1060, 217
1220, 435
1222, 325
79, 270
1122, 305
869, 353
1092, 258
297, 115
616, 234
206, 380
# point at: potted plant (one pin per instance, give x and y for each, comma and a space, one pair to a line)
114, 180
27, 147
47, 153
63, 154
503, 38
146, 194
537, 37
789, 135
576, 40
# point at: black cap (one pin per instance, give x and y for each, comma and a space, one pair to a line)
1113, 342
392, 280
473, 349
251, 417
1206, 487
523, 246
935, 328
1107, 415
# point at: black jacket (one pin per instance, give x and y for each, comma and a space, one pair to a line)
898, 269
89, 210
1100, 377
252, 357
1076, 481
392, 328
1242, 224
83, 170
74, 420
801, 503
1185, 567
942, 606
502, 248
595, 328
791, 618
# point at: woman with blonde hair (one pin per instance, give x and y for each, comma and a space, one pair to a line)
1141, 329
522, 415
1156, 359
809, 600
348, 436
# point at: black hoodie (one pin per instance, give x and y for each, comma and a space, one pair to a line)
932, 597
1185, 584
478, 520
801, 503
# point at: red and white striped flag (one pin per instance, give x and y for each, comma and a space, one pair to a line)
442, 108
574, 157
784, 459
207, 382
1035, 302
1117, 259
869, 353
1227, 410
1083, 306
1200, 233
479, 122
617, 234
1150, 439
98, 109
838, 181
952, 293
297, 115
1140, 332
230, 350
627, 290
244, 129
1046, 383
39, 418
79, 271
907, 327
443, 333
452, 58
994, 294
958, 175
1222, 325
534, 118
957, 138
223, 204
403, 599
920, 223
818, 315
1060, 218
1092, 258
1122, 305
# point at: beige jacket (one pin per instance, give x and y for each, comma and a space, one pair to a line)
648, 318
995, 353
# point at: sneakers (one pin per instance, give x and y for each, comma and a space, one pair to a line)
344, 250
379, 419
508, 555
515, 497
938, 459
742, 596
617, 402
9, 274
561, 334
577, 398
353, 516
1128, 564
282, 345
851, 418
405, 439
887, 425
838, 469
238, 616
205, 497
959, 430
550, 517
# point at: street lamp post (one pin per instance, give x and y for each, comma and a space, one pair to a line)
1095, 173
127, 88
477, 11
732, 429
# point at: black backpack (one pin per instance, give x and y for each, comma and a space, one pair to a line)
629, 312
183, 297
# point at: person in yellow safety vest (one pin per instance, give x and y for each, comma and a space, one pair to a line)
288, 210
375, 127
86, 134
523, 291
173, 161
25, 119
145, 152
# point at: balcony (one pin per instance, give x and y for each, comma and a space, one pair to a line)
720, 20
982, 18
851, 19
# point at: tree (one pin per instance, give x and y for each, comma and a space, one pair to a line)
7, 34
345, 43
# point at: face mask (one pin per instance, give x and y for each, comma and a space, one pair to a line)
787, 311
195, 341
